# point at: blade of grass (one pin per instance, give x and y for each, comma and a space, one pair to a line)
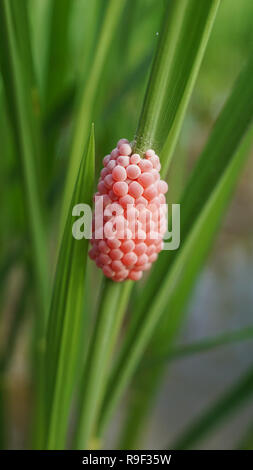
111, 309
194, 36
65, 320
239, 394
160, 97
129, 81
185, 32
95, 364
246, 443
3, 413
202, 205
39, 16
202, 346
186, 28
6, 356
58, 51
148, 378
23, 34
57, 72
158, 92
93, 13
86, 98
14, 328
19, 102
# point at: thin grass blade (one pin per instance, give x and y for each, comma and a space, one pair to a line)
183, 39
65, 331
22, 113
202, 346
20, 106
246, 443
111, 310
87, 95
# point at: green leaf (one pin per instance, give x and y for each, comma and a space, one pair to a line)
111, 309
185, 32
237, 395
58, 51
65, 331
19, 101
202, 206
202, 346
148, 378
87, 95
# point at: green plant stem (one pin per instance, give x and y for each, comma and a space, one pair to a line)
86, 99
202, 346
126, 290
17, 81
16, 323
150, 373
97, 363
186, 28
65, 325
58, 52
3, 412
155, 94
140, 397
170, 286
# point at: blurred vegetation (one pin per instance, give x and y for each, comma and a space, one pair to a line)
65, 38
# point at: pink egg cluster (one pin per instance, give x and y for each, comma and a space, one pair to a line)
134, 213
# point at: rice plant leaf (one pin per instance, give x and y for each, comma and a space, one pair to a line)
93, 13
87, 95
21, 114
112, 307
23, 38
89, 408
96, 364
183, 39
238, 394
18, 80
201, 346
202, 206
58, 51
65, 319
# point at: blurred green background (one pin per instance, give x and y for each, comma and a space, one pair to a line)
223, 297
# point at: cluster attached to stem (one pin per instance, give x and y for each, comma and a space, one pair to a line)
134, 213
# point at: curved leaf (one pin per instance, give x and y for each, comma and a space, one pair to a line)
202, 205
65, 320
